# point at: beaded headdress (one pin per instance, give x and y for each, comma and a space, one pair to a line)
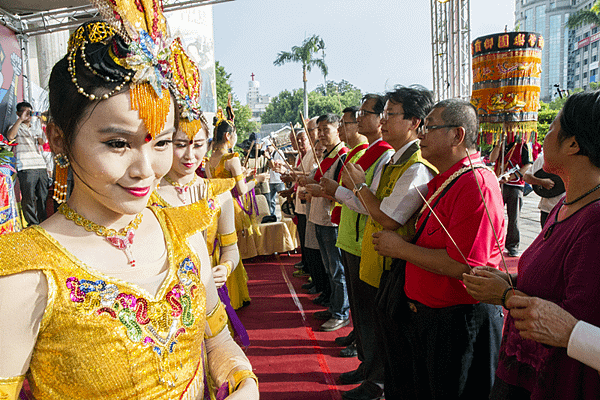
133, 48
220, 116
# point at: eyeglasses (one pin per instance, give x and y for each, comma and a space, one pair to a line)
426, 129
387, 115
363, 113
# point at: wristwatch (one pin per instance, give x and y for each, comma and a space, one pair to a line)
358, 188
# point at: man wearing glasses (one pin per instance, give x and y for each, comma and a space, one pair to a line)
351, 230
392, 201
452, 340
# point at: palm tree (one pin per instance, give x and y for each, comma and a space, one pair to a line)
305, 54
581, 17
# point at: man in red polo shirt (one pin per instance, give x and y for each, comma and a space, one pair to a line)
453, 341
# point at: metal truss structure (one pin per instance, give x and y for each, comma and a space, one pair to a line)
451, 49
43, 22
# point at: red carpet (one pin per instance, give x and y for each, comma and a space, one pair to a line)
290, 356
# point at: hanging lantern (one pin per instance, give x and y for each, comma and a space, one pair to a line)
506, 85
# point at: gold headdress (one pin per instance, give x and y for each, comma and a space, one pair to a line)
132, 48
188, 83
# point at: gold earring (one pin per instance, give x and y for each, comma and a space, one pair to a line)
60, 178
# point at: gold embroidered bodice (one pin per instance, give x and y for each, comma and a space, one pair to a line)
220, 171
215, 187
102, 338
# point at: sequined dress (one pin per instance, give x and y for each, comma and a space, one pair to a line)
246, 233
215, 187
103, 338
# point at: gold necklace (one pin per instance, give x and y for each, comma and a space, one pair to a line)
181, 189
122, 239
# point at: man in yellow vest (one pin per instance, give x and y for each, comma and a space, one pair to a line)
352, 225
392, 201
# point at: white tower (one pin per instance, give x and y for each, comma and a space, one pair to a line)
451, 48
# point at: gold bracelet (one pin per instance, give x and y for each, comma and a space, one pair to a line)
229, 265
228, 239
216, 320
238, 377
11, 387
238, 177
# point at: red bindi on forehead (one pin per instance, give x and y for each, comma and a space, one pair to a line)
148, 138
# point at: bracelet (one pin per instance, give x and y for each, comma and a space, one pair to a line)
503, 298
229, 265
238, 377
238, 177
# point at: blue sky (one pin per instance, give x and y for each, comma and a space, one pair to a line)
373, 44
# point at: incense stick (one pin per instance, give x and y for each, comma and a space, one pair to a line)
248, 154
312, 145
281, 155
443, 227
298, 147
487, 211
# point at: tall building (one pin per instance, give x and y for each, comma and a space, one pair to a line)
570, 57
257, 103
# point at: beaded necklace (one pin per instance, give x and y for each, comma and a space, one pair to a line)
592, 190
122, 239
181, 189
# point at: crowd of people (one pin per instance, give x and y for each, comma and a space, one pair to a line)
415, 252
401, 227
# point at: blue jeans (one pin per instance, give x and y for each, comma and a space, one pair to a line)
332, 259
272, 195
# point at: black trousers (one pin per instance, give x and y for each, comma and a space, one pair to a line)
34, 191
513, 198
302, 235
453, 350
362, 306
316, 269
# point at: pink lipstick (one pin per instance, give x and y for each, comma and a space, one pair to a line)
138, 192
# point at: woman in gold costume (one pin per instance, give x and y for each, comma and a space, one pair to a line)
181, 186
108, 299
226, 164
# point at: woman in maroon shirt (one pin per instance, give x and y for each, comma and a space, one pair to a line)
562, 265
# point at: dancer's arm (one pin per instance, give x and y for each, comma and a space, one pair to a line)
23, 299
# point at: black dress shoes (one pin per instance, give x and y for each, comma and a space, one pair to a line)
345, 341
349, 351
321, 299
349, 378
322, 315
366, 391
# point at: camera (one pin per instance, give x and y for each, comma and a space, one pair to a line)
36, 113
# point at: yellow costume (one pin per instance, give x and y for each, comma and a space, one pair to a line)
101, 337
237, 283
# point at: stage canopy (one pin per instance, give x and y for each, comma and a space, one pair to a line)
36, 17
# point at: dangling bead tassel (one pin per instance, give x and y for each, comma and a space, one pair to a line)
60, 178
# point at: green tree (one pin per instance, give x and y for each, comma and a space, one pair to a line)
223, 86
305, 54
286, 105
584, 17
243, 113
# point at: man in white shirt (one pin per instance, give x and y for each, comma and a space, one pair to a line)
31, 165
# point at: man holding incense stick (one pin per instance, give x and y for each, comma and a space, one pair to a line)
391, 199
326, 230
453, 341
351, 230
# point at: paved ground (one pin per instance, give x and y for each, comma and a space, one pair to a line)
530, 220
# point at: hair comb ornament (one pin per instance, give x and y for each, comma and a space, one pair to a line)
132, 47
187, 81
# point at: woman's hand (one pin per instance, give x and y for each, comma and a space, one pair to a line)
486, 284
389, 243
264, 177
220, 275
